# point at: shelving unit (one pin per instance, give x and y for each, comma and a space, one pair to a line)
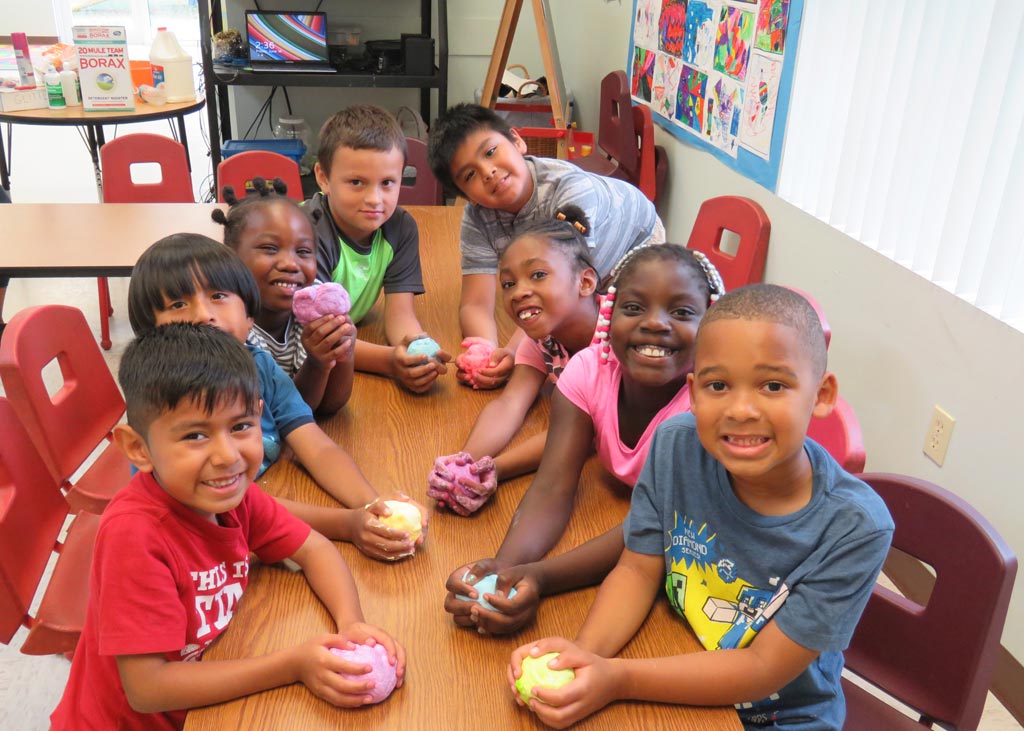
218, 109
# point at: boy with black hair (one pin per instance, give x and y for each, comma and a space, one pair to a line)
171, 560
760, 539
475, 153
367, 243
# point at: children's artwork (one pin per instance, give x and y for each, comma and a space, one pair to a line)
690, 99
724, 111
645, 26
759, 110
732, 44
699, 36
670, 27
771, 25
717, 75
666, 83
643, 74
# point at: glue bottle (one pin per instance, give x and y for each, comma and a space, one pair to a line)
172, 67
70, 88
54, 92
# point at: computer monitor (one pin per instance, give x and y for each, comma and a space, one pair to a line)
286, 37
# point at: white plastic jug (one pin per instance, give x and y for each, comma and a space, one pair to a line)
172, 67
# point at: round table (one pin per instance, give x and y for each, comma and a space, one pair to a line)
92, 124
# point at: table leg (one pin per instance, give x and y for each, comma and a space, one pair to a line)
5, 175
105, 312
94, 134
184, 140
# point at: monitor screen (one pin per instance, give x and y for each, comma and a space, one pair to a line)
287, 36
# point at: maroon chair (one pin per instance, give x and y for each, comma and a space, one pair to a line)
938, 659
32, 513
426, 190
839, 433
616, 132
67, 427
749, 221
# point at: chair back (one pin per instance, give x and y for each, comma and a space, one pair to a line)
938, 659
744, 217
426, 191
32, 513
652, 170
839, 433
68, 427
239, 170
118, 155
616, 129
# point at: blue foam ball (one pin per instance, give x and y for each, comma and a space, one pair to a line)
486, 585
424, 346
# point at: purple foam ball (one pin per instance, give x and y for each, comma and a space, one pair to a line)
382, 673
329, 298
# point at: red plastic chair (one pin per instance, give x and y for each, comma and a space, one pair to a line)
32, 513
426, 190
938, 659
616, 132
175, 186
67, 428
839, 433
239, 170
744, 217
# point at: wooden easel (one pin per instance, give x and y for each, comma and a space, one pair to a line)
549, 54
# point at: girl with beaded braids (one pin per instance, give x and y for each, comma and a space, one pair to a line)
549, 288
610, 398
274, 237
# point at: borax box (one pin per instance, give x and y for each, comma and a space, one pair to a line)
103, 68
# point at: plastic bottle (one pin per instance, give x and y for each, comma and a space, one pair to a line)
26, 75
172, 67
70, 88
54, 92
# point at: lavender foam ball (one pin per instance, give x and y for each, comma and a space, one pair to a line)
382, 673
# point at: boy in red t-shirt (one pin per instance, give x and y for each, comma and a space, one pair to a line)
172, 554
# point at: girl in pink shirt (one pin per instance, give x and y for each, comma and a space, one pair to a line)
549, 288
611, 397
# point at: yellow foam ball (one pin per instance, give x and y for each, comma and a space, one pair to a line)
536, 672
404, 516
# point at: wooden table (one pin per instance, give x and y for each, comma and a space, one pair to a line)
455, 678
91, 239
92, 124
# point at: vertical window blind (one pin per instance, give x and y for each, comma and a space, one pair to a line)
905, 133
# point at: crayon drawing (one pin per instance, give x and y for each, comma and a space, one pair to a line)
771, 25
699, 41
690, 98
724, 109
670, 27
759, 105
666, 82
643, 74
732, 43
645, 29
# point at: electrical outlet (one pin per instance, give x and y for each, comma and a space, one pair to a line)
936, 440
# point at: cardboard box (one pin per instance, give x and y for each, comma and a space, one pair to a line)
18, 100
103, 68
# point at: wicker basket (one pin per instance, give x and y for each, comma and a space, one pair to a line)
543, 141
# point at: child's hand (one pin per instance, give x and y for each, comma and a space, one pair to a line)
596, 684
513, 613
361, 633
317, 668
495, 374
374, 538
461, 483
329, 339
461, 582
383, 510
417, 372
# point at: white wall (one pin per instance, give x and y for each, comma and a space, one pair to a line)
34, 18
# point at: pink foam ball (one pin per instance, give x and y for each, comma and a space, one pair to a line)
318, 300
475, 357
382, 673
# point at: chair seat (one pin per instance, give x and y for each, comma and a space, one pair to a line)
97, 487
597, 164
61, 616
865, 712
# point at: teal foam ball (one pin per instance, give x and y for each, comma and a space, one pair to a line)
486, 585
423, 346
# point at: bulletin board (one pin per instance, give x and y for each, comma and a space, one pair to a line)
717, 75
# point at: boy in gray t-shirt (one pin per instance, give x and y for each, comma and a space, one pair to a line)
474, 153
761, 541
